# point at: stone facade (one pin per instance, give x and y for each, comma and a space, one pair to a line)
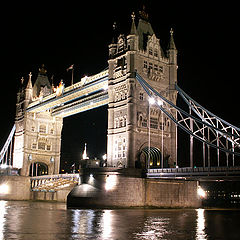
129, 114
38, 135
131, 118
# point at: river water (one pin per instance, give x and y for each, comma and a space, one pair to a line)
53, 221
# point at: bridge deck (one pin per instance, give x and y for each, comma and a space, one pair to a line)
199, 172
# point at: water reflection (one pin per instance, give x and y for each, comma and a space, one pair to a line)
154, 228
51, 221
2, 217
200, 233
107, 219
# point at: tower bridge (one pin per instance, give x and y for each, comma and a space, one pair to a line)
140, 89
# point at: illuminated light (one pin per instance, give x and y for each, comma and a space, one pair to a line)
104, 157
59, 90
91, 178
4, 166
111, 182
201, 192
4, 189
105, 87
158, 163
151, 163
151, 100
160, 102
84, 79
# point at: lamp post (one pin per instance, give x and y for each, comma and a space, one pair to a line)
151, 101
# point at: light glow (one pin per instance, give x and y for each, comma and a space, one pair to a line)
105, 87
4, 189
160, 102
151, 100
111, 182
201, 192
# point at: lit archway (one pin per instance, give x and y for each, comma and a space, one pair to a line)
38, 169
154, 158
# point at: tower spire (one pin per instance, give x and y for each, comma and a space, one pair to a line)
84, 156
172, 43
29, 84
133, 27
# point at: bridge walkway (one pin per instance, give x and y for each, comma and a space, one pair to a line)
54, 183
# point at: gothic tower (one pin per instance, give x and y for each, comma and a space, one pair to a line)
38, 135
133, 123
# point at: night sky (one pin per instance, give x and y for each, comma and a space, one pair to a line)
206, 37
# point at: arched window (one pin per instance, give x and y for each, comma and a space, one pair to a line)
42, 128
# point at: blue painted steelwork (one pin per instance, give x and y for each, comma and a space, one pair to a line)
200, 125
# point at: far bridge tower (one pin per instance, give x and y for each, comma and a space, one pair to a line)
130, 115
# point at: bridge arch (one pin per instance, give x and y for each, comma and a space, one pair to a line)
38, 169
155, 157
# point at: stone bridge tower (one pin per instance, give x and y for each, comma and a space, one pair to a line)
37, 140
129, 115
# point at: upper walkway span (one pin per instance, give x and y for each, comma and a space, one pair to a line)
89, 93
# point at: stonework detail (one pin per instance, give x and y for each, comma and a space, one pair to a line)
129, 115
38, 135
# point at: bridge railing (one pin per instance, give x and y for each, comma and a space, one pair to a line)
192, 170
53, 182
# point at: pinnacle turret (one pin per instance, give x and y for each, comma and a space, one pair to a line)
172, 45
133, 27
29, 84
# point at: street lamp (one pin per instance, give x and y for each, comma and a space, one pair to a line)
151, 101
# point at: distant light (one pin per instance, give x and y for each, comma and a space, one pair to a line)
201, 192
151, 100
104, 156
4, 189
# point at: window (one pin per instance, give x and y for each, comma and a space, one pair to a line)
155, 67
153, 123
51, 132
150, 66
155, 53
145, 64
41, 146
121, 122
48, 147
161, 68
141, 96
42, 129
34, 146
125, 122
144, 122
150, 51
33, 128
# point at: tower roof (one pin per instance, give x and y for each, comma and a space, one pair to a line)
29, 84
133, 27
41, 82
144, 29
171, 42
